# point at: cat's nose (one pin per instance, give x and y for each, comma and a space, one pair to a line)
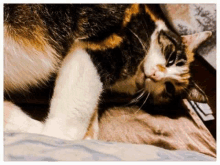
156, 74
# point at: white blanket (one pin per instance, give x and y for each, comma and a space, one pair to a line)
33, 147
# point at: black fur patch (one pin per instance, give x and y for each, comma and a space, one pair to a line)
111, 62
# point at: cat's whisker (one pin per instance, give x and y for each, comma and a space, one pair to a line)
140, 96
143, 102
135, 100
139, 90
142, 44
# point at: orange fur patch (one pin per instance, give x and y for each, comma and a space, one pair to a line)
125, 86
111, 42
27, 34
185, 75
180, 86
27, 55
129, 85
159, 88
133, 10
189, 54
161, 68
30, 38
152, 15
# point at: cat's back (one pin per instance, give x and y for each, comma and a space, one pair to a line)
61, 24
38, 36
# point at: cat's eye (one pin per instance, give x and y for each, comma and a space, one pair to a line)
171, 60
170, 89
181, 63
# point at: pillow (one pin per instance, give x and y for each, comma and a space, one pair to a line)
174, 127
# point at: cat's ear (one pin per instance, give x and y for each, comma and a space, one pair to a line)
195, 93
193, 41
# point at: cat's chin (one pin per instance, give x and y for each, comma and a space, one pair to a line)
156, 90
148, 80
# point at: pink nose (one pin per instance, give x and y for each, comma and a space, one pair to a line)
157, 75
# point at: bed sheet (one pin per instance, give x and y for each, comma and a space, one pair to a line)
33, 147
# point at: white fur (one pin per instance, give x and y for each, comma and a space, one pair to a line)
75, 98
76, 95
95, 132
153, 58
17, 121
96, 128
154, 55
174, 72
76, 91
160, 25
25, 65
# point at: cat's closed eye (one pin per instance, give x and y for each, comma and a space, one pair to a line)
181, 63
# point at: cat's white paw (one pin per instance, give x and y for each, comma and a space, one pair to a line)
8, 107
56, 128
15, 120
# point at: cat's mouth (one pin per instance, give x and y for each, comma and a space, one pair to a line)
148, 79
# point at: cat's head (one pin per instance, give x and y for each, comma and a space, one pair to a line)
164, 72
165, 69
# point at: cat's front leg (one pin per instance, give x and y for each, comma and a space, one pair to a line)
75, 97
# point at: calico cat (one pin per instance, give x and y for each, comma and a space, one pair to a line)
119, 47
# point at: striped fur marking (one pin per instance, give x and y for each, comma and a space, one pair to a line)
133, 10
152, 15
109, 43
